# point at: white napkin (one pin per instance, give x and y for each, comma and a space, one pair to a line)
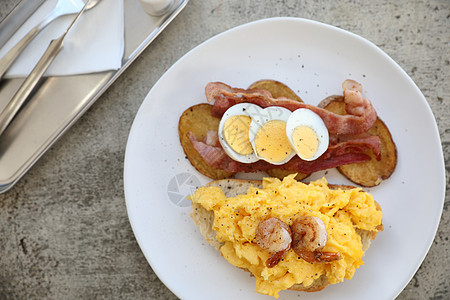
94, 44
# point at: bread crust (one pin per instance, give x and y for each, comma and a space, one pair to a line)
204, 219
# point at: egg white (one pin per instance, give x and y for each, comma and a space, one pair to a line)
268, 114
308, 118
246, 109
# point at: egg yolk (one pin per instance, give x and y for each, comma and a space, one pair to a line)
271, 142
235, 133
305, 141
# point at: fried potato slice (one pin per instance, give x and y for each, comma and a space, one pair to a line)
278, 89
372, 172
199, 120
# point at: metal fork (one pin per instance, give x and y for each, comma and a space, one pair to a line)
62, 8
13, 106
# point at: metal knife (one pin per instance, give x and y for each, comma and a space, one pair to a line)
13, 106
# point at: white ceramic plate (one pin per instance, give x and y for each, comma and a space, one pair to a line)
313, 59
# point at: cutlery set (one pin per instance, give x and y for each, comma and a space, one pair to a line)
13, 106
90, 62
63, 7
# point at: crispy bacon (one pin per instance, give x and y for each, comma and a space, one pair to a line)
361, 114
339, 154
359, 144
213, 154
298, 165
211, 138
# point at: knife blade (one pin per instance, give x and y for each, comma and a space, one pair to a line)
19, 98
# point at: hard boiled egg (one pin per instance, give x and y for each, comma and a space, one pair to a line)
307, 134
234, 132
268, 135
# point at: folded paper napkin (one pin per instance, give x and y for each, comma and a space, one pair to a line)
94, 44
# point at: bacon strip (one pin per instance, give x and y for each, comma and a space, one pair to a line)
359, 144
212, 153
211, 138
361, 114
298, 165
336, 155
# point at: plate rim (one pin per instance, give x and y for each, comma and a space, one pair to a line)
359, 38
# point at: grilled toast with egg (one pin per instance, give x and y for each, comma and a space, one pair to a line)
204, 219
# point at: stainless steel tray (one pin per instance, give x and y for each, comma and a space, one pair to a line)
45, 117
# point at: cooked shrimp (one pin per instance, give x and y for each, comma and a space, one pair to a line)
309, 233
274, 236
309, 236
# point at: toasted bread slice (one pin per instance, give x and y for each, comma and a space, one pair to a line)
276, 88
199, 120
372, 172
204, 219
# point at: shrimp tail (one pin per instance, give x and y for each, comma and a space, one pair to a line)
319, 256
275, 258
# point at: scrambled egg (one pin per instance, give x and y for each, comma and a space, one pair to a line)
342, 211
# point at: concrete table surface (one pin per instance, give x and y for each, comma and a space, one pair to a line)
64, 230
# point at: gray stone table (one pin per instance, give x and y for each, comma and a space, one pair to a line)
64, 231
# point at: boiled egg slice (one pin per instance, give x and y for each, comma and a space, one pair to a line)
268, 135
234, 132
307, 134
